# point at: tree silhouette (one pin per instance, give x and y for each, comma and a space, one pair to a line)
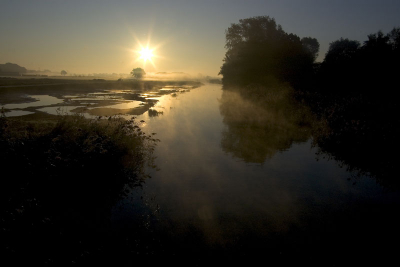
63, 73
341, 50
311, 45
340, 66
394, 38
257, 47
351, 68
138, 73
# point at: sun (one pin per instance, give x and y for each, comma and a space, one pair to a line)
146, 54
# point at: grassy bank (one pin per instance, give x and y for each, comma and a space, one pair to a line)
60, 180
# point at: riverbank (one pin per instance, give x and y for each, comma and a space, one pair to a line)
60, 180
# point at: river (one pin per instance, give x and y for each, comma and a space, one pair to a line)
222, 187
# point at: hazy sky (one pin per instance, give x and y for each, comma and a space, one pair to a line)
99, 36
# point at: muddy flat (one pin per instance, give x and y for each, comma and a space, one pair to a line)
44, 97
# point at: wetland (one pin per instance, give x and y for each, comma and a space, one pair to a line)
148, 171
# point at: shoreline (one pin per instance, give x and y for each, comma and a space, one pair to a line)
119, 91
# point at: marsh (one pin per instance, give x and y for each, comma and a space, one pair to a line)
230, 175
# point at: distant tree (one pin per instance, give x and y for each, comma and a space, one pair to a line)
138, 73
63, 73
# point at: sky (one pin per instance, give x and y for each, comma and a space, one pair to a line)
188, 36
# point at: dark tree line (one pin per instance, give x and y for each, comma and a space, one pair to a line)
352, 68
258, 48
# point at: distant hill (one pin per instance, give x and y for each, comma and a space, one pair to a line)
11, 69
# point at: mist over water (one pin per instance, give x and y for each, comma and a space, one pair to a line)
237, 176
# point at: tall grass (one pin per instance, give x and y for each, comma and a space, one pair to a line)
59, 181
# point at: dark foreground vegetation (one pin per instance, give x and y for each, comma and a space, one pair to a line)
351, 94
59, 183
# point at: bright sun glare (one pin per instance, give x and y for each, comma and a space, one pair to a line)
146, 54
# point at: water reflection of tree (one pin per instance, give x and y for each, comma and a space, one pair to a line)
262, 122
362, 135
354, 99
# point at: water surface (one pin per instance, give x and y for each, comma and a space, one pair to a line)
237, 177
242, 184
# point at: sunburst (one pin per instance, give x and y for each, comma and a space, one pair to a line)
145, 53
